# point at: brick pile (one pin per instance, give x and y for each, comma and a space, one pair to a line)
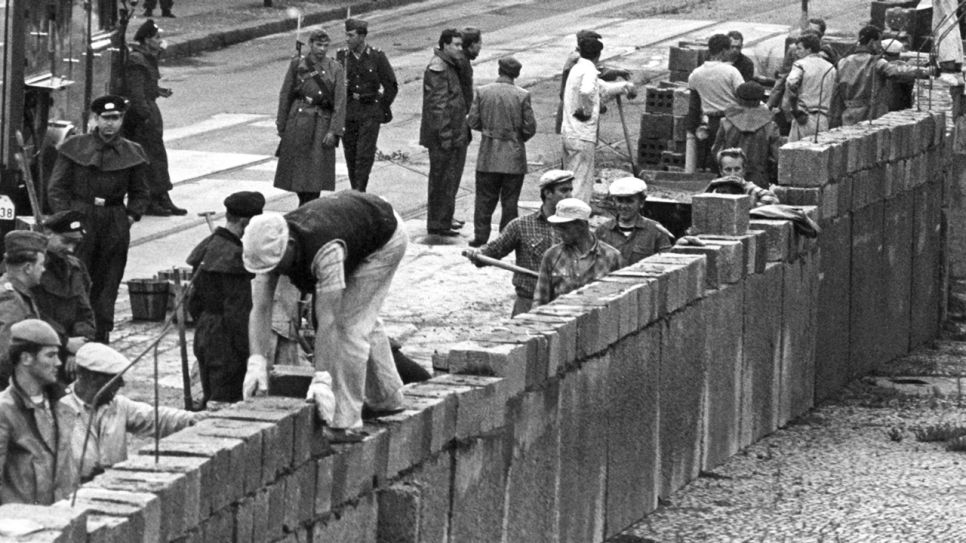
662, 135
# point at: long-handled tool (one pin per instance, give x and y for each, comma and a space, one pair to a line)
627, 135
208, 215
182, 315
28, 179
499, 264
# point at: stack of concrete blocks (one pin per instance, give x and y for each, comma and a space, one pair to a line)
569, 422
879, 187
684, 58
662, 137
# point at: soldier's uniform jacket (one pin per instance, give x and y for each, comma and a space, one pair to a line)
16, 304
366, 74
31, 469
63, 296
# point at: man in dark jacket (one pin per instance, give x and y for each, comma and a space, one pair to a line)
220, 300
143, 124
23, 262
443, 131
751, 126
501, 111
93, 174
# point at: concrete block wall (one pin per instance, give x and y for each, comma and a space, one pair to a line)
568, 423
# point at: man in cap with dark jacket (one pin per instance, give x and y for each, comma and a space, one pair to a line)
751, 126
35, 426
370, 88
63, 295
23, 260
221, 299
501, 111
93, 174
143, 123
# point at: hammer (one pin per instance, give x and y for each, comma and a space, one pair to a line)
208, 215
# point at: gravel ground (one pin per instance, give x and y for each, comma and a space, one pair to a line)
851, 470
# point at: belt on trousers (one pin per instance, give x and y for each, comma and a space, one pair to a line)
108, 202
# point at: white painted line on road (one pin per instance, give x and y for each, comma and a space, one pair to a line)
184, 165
215, 122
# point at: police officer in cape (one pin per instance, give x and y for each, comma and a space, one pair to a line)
221, 299
370, 88
93, 174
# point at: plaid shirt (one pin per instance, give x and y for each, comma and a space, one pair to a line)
563, 269
647, 238
530, 236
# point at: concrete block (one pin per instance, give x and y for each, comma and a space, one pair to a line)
620, 301
198, 474
398, 514
484, 357
883, 145
276, 508
926, 263
220, 526
633, 462
897, 275
657, 126
723, 352
597, 325
844, 204
300, 488
713, 276
108, 529
356, 522
695, 269
290, 381
227, 458
722, 214
434, 480
684, 59
323, 483
833, 301
537, 340
244, 512
799, 196
645, 290
264, 528
479, 482
683, 372
532, 477
480, 402
561, 334
251, 433
141, 509
798, 336
59, 524
179, 503
761, 354
804, 164
752, 250
778, 238
356, 466
409, 437
583, 452
657, 283
866, 289
441, 401
725, 262
278, 442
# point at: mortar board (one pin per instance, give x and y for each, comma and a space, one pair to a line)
26, 241
510, 67
360, 26
147, 30
552, 177
109, 103
100, 358
68, 223
245, 204
35, 331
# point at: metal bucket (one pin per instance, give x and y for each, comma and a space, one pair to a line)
149, 299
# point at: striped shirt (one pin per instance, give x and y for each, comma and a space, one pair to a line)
564, 269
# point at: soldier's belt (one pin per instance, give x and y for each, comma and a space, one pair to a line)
107, 202
364, 98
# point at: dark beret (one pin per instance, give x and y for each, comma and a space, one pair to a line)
147, 30
26, 241
750, 91
584, 34
360, 26
70, 221
510, 66
245, 203
109, 103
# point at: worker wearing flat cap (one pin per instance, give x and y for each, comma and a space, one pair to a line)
580, 258
93, 174
635, 236
530, 236
143, 123
115, 415
751, 126
221, 299
345, 248
35, 423
370, 90
23, 259
63, 295
501, 111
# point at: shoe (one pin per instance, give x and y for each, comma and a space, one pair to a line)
167, 14
477, 243
342, 435
149, 13
157, 210
370, 413
440, 232
165, 201
457, 224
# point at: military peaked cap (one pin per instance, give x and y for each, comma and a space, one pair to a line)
70, 221
109, 103
24, 241
360, 26
245, 203
147, 30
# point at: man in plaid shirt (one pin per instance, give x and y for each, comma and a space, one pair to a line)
579, 259
530, 236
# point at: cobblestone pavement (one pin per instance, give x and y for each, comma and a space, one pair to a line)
837, 474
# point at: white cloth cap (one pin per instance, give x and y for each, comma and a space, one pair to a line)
100, 358
892, 46
552, 177
627, 186
570, 209
264, 242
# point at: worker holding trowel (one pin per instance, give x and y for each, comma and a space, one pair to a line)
529, 237
345, 248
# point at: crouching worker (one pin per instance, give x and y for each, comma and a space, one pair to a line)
35, 424
731, 164
115, 416
635, 236
344, 248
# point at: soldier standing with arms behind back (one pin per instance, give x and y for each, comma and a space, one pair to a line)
366, 71
93, 174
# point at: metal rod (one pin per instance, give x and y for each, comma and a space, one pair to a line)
182, 341
627, 136
499, 264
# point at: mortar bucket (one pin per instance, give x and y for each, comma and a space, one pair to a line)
149, 299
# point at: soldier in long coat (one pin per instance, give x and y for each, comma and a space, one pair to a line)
311, 118
221, 299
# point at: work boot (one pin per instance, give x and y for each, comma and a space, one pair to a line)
155, 209
168, 14
165, 201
